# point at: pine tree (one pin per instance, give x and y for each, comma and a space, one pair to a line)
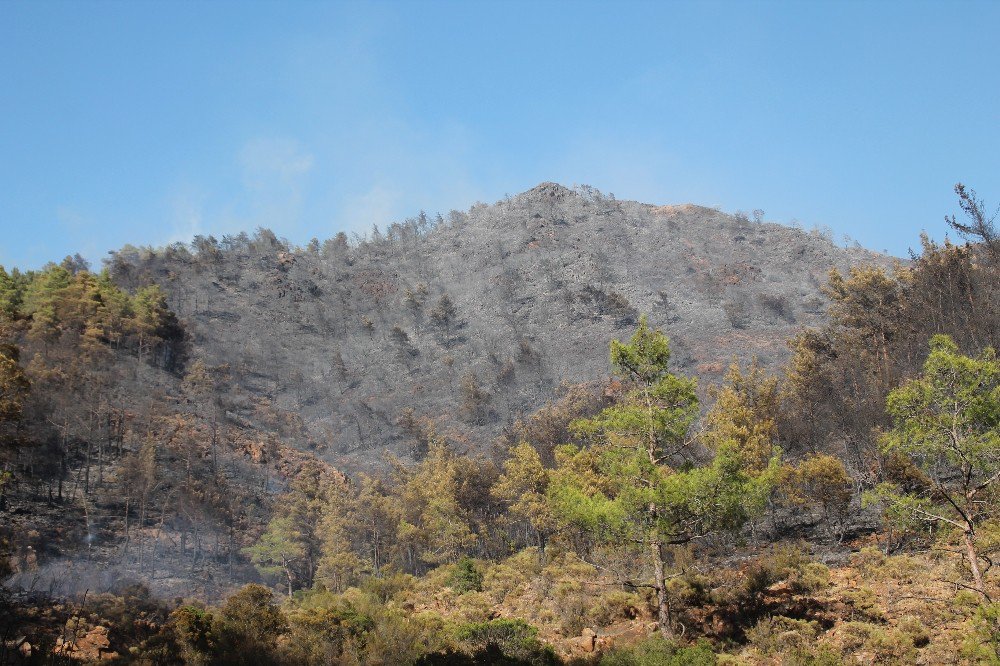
292, 544
279, 551
445, 317
745, 415
522, 487
151, 314
947, 422
434, 528
14, 384
636, 485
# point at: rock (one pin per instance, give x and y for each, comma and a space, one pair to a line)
92, 646
587, 639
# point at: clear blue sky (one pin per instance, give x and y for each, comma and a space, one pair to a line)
148, 122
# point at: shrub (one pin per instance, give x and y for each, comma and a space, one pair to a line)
398, 639
747, 593
253, 618
783, 563
778, 305
983, 643
883, 646
356, 628
503, 579
868, 561
565, 573
915, 628
690, 589
854, 635
474, 606
891, 647
574, 615
810, 578
864, 603
466, 577
615, 605
657, 651
822, 481
818, 655
965, 599
389, 587
509, 639
778, 634
902, 568
736, 312
323, 624
195, 633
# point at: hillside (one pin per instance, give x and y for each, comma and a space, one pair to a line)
573, 487
473, 321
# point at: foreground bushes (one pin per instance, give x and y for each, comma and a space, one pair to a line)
659, 652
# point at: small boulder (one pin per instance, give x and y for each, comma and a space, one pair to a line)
587, 639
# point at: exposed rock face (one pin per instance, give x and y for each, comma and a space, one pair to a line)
538, 284
91, 646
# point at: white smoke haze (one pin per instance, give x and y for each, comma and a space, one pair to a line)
76, 578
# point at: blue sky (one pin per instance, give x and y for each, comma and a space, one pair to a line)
147, 122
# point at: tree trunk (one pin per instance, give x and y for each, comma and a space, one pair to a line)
86, 474
660, 583
977, 574
288, 576
128, 505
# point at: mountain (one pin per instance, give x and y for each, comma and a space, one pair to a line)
472, 321
190, 420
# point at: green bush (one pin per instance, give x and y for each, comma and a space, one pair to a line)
810, 578
869, 561
615, 605
783, 562
573, 610
244, 631
779, 634
657, 651
499, 640
251, 615
356, 628
892, 647
916, 629
691, 590
466, 577
388, 587
965, 599
884, 646
747, 592
196, 633
503, 579
983, 643
397, 639
474, 606
864, 604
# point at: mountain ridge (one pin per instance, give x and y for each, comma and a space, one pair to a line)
490, 309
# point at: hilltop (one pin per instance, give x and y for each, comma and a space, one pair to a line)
473, 320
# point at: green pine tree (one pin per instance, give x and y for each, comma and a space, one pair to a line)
636, 486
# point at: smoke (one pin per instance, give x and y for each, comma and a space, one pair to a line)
75, 579
72, 579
